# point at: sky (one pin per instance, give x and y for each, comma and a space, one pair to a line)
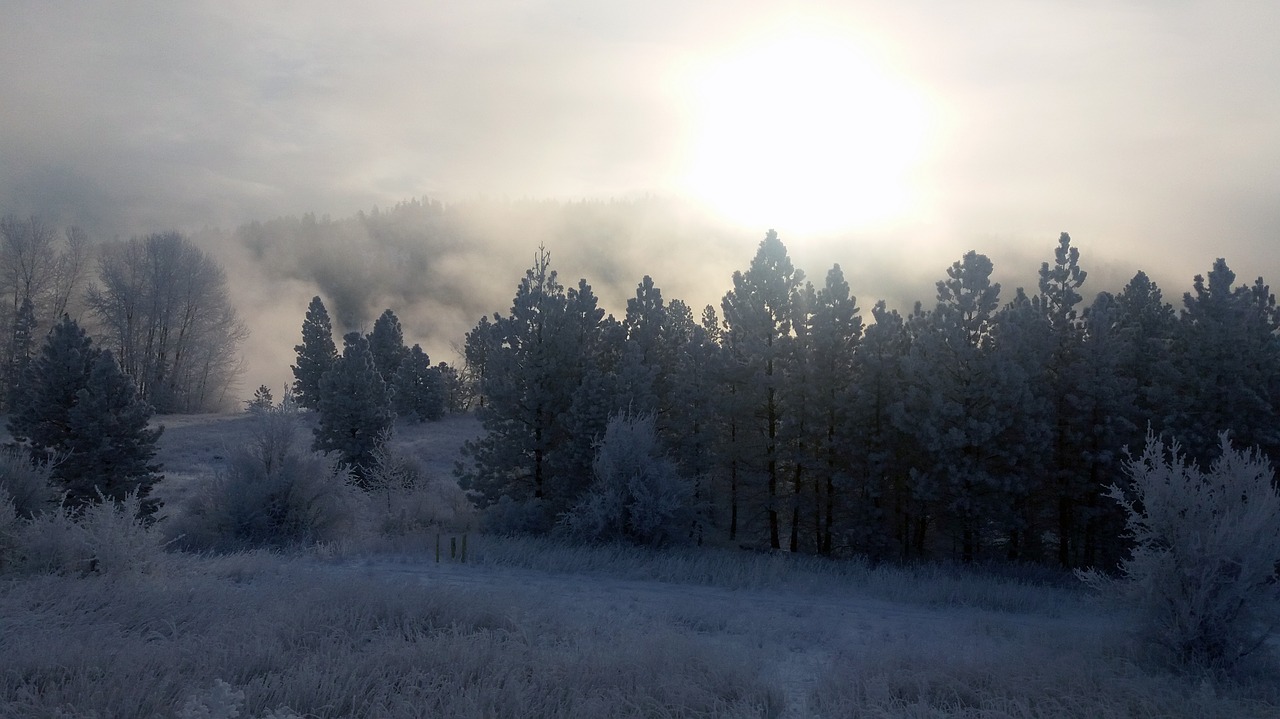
888, 136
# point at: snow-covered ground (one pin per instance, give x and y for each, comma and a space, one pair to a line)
534, 628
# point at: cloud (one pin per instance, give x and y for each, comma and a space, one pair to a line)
1144, 129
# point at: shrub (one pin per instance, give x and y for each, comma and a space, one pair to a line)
270, 494
1202, 574
405, 498
27, 481
638, 494
107, 537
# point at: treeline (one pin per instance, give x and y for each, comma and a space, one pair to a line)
978, 428
158, 303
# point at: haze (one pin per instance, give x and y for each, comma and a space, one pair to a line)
889, 137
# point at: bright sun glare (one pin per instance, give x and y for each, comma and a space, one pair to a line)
805, 134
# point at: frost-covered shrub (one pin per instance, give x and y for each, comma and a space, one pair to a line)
638, 493
1206, 546
270, 493
105, 537
405, 498
29, 484
223, 701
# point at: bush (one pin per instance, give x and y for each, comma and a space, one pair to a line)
638, 494
270, 494
1206, 546
27, 482
404, 498
106, 537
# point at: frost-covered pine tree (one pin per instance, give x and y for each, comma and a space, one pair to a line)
1227, 348
758, 322
954, 406
386, 343
40, 418
355, 412
1145, 327
1063, 382
1106, 402
21, 345
534, 361
883, 514
80, 410
419, 392
835, 331
801, 418
111, 450
316, 355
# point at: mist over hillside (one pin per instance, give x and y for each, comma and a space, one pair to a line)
442, 266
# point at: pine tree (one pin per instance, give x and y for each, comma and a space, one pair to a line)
355, 415
41, 415
110, 448
1146, 324
835, 332
386, 343
758, 318
882, 509
22, 344
82, 410
419, 388
1227, 348
956, 406
534, 361
316, 355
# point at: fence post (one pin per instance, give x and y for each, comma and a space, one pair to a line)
464, 548
437, 547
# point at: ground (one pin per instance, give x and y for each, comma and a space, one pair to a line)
529, 627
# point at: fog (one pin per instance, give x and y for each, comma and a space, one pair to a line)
921, 131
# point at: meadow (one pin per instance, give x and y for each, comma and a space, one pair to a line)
376, 626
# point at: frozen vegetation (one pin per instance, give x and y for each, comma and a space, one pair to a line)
370, 624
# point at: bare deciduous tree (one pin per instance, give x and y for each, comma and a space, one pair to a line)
165, 312
35, 269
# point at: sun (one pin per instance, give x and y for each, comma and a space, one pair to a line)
805, 134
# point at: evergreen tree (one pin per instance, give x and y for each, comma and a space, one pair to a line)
955, 406
1059, 295
1145, 325
758, 317
316, 355
1106, 402
419, 387
110, 448
52, 381
1025, 348
882, 511
21, 345
1228, 351
835, 331
80, 409
386, 342
355, 415
534, 361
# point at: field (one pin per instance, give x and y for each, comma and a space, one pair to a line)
529, 628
